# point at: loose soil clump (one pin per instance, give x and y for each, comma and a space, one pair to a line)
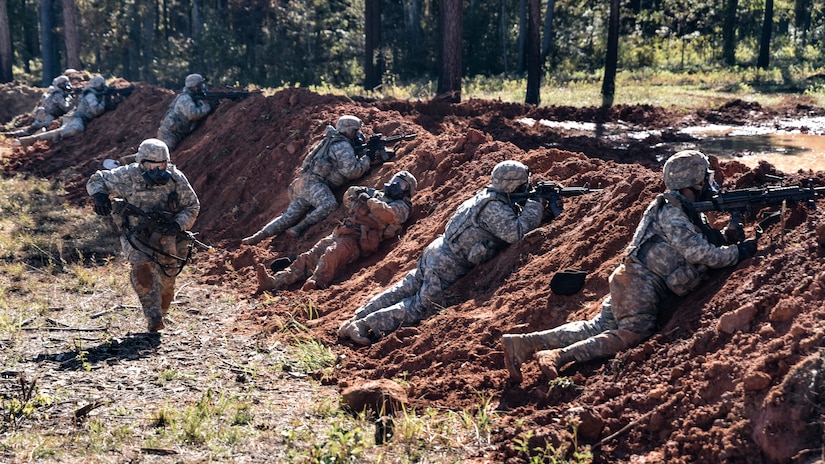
731, 376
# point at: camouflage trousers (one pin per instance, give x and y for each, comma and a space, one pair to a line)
71, 127
628, 316
419, 294
170, 138
321, 262
311, 199
153, 282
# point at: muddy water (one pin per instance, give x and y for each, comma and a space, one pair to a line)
789, 151
790, 145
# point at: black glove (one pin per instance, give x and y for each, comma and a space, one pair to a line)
746, 249
364, 196
103, 205
169, 228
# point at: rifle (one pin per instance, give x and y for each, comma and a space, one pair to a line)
751, 200
153, 220
231, 95
553, 193
109, 91
376, 146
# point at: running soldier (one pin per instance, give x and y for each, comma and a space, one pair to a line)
671, 251
185, 113
152, 188
93, 103
372, 216
480, 228
329, 165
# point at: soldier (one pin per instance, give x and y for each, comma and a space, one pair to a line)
479, 229
56, 101
185, 113
671, 251
372, 216
93, 103
329, 164
152, 247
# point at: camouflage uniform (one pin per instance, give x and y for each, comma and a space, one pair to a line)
152, 274
329, 165
669, 255
480, 228
371, 218
183, 116
91, 105
55, 103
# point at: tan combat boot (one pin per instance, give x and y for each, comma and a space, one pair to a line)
155, 324
357, 332
550, 361
517, 349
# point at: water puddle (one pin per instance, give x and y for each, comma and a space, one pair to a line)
788, 144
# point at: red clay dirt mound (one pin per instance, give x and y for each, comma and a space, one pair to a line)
731, 377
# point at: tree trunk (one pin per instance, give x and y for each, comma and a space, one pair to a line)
729, 32
5, 44
71, 35
504, 36
612, 57
547, 41
372, 42
802, 15
522, 36
449, 83
414, 32
48, 47
534, 54
765, 43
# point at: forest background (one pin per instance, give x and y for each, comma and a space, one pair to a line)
428, 45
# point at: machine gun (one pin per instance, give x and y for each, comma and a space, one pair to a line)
150, 221
553, 193
230, 95
110, 92
750, 200
376, 146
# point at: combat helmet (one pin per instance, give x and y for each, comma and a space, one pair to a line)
407, 177
153, 150
62, 82
685, 169
348, 125
509, 175
194, 80
97, 82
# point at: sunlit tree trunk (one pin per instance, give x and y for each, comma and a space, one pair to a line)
612, 57
449, 83
5, 44
372, 41
504, 36
765, 43
412, 26
534, 54
729, 32
71, 34
48, 46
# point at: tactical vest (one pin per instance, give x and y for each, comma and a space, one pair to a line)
464, 235
318, 161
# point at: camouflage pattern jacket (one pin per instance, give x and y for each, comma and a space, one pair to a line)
671, 246
334, 160
91, 105
379, 214
487, 222
184, 114
127, 182
55, 102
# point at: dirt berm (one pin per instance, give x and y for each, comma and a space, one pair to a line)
734, 375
